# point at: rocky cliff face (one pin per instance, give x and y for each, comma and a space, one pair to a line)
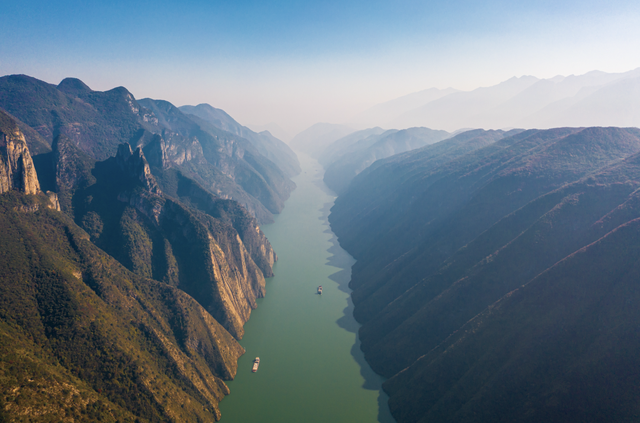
135, 166
147, 333
269, 146
153, 235
224, 163
230, 212
17, 171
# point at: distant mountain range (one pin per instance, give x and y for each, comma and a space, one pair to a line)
316, 138
595, 98
274, 129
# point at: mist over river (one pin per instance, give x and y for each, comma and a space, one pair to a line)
311, 367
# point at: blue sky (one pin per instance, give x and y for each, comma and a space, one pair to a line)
297, 63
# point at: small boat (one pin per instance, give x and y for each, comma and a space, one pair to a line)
320, 290
256, 363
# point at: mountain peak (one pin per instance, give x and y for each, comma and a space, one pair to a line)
74, 87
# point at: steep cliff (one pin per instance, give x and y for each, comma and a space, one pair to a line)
230, 212
155, 236
17, 171
268, 145
222, 162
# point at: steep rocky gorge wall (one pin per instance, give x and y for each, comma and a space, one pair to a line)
16, 166
151, 334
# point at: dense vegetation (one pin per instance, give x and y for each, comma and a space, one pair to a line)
118, 301
85, 338
496, 273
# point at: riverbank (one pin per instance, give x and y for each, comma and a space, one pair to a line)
311, 366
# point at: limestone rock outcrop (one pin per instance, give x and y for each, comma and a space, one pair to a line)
135, 165
16, 166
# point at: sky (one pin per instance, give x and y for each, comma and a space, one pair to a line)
295, 63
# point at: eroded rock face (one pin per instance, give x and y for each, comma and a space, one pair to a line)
54, 201
212, 263
70, 164
16, 166
135, 165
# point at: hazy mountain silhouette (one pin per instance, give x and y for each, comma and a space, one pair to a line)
266, 144
316, 138
525, 102
354, 157
382, 114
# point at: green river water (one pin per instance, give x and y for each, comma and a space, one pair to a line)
311, 367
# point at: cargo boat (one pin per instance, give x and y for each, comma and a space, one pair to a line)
320, 290
256, 363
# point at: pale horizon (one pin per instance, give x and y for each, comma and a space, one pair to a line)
298, 64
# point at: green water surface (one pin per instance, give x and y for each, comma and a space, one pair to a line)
311, 367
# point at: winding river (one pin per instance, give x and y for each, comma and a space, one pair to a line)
311, 367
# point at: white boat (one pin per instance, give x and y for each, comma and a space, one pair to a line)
320, 290
256, 363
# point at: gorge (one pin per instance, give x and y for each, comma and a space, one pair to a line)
311, 367
484, 275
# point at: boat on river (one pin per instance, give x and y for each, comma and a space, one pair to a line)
320, 290
256, 363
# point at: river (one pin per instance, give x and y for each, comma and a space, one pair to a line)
311, 367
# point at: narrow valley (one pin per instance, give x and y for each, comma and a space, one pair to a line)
311, 367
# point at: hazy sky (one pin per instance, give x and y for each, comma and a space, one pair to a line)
298, 63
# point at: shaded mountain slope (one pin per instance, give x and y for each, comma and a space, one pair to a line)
562, 348
342, 170
121, 206
145, 334
439, 239
232, 155
96, 121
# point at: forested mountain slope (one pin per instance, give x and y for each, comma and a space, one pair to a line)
444, 232
118, 301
